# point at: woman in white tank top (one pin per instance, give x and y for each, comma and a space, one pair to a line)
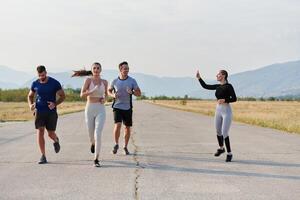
95, 90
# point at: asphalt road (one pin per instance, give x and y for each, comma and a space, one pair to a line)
172, 158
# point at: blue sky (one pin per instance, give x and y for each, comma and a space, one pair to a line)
160, 37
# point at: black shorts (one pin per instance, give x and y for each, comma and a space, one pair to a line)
124, 116
46, 119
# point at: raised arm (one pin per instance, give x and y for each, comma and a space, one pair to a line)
204, 85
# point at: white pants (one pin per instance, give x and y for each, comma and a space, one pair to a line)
223, 117
95, 118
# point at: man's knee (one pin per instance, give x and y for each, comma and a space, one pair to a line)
51, 133
41, 131
127, 130
118, 126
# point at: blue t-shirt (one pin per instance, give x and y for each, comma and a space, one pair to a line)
45, 92
124, 100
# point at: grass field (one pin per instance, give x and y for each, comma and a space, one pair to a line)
20, 111
281, 115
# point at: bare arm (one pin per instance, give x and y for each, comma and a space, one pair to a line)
30, 98
61, 95
103, 100
137, 92
111, 92
106, 88
61, 98
84, 90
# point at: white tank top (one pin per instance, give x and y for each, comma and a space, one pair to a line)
99, 91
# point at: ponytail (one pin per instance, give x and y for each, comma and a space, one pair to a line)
225, 73
82, 72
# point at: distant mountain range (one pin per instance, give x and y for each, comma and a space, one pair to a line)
10, 78
280, 79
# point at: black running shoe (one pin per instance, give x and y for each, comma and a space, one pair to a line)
115, 150
228, 157
43, 160
219, 152
96, 163
126, 151
56, 146
92, 148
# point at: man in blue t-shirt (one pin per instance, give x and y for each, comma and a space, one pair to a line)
122, 89
45, 89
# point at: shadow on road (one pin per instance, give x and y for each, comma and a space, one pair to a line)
246, 162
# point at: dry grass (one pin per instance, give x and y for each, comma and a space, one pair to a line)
20, 111
281, 115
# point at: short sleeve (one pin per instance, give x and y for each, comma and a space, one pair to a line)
134, 84
32, 86
57, 86
111, 86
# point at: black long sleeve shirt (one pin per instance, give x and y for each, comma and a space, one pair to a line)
225, 91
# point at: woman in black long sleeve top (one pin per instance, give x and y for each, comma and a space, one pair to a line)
225, 94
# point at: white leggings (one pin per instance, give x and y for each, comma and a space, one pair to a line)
95, 118
223, 117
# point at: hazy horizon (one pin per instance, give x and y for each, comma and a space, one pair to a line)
51, 70
162, 38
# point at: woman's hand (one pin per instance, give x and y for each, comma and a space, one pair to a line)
221, 101
198, 75
93, 90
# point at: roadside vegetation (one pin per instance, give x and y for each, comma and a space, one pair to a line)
14, 107
281, 115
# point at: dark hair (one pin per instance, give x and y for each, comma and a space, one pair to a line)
123, 63
41, 68
96, 63
225, 73
84, 72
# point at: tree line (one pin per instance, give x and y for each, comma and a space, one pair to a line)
20, 95
186, 97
